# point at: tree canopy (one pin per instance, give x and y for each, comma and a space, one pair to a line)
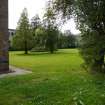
50, 25
89, 16
23, 38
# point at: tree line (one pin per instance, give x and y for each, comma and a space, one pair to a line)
41, 35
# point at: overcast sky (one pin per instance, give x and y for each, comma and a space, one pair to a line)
34, 7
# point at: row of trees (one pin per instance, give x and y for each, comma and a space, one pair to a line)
41, 35
29, 35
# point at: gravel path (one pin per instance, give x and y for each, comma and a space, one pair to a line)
15, 71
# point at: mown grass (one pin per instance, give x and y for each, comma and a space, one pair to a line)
57, 79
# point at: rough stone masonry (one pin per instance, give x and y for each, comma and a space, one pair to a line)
4, 62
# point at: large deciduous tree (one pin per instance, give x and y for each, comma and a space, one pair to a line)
90, 18
23, 38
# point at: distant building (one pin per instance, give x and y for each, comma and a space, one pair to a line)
11, 33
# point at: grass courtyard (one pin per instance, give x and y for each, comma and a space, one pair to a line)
56, 79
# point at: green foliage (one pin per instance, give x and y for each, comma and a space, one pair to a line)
67, 41
51, 29
46, 32
35, 22
89, 16
93, 35
40, 39
23, 39
52, 38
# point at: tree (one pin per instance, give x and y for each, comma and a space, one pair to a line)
23, 38
61, 40
51, 29
35, 22
40, 39
67, 40
89, 15
51, 42
70, 39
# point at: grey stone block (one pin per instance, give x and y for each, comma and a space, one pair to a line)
4, 62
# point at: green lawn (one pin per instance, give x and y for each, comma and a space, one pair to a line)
57, 79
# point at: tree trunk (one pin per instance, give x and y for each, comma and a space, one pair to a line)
99, 64
25, 47
51, 51
51, 48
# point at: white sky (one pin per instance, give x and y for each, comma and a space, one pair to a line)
34, 7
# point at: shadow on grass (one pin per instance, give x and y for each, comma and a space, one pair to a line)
44, 53
33, 53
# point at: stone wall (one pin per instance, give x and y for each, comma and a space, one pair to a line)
4, 63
